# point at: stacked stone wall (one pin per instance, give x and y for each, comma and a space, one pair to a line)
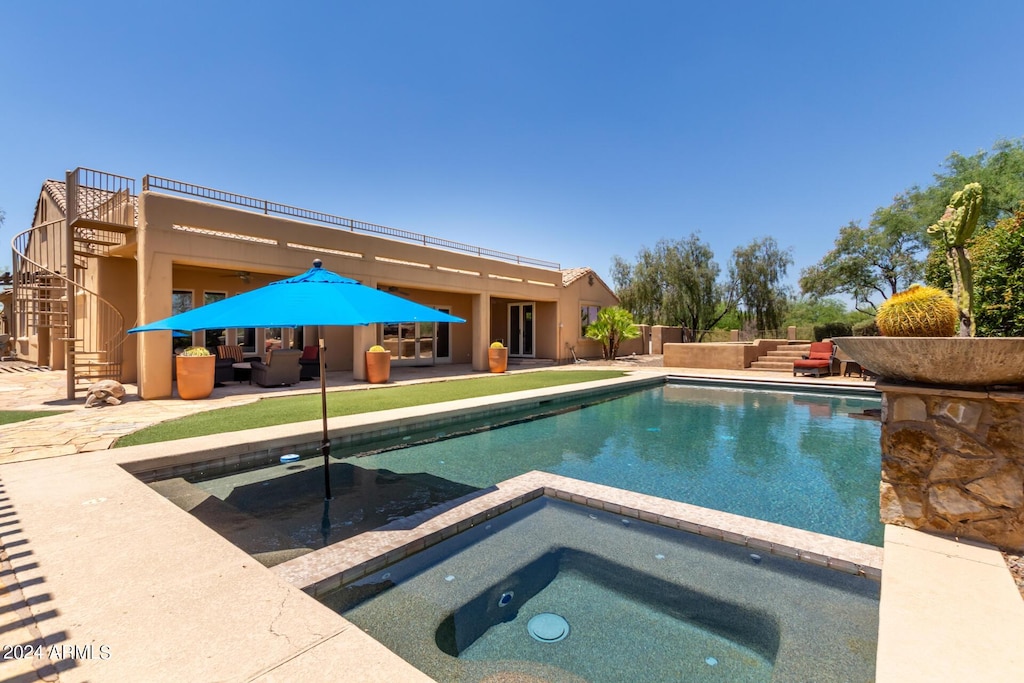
953, 462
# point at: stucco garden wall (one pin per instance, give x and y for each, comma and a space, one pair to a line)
719, 355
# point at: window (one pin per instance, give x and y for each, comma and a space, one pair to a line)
181, 301
214, 337
588, 315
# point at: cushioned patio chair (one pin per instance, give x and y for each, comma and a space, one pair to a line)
818, 361
227, 356
310, 362
282, 368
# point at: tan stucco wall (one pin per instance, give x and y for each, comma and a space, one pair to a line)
638, 345
34, 344
472, 285
581, 293
662, 334
478, 289
719, 355
115, 282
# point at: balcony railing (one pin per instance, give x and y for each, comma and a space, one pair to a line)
151, 182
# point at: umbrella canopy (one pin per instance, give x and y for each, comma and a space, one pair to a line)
316, 297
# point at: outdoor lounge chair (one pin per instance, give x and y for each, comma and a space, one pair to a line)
227, 356
310, 362
818, 361
282, 368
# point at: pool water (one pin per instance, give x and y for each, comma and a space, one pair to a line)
791, 458
641, 602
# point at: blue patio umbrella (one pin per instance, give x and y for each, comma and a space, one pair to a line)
316, 297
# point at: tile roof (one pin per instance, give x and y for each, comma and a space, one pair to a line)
89, 197
571, 275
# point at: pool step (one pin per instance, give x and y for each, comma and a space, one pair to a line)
262, 540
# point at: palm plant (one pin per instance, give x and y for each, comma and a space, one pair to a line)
611, 327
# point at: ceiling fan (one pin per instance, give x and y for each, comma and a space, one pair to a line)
243, 275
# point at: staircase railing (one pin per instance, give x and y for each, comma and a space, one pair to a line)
49, 294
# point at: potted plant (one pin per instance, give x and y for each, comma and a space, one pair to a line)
378, 364
195, 368
497, 357
917, 345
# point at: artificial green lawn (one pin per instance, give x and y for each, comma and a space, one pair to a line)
275, 411
9, 416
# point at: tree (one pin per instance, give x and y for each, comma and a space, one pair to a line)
878, 260
676, 283
757, 270
998, 256
613, 324
1000, 172
807, 311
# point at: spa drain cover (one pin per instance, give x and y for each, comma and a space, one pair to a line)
548, 628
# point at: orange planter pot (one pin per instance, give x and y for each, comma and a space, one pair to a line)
497, 359
378, 367
195, 376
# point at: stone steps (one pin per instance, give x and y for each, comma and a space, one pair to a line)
781, 359
772, 366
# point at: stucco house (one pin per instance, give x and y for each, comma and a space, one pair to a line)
102, 257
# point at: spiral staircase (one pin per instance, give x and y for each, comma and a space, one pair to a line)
71, 323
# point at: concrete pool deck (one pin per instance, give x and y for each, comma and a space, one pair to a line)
94, 557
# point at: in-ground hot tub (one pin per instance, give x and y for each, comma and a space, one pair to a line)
564, 592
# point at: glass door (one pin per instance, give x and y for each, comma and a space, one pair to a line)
520, 330
442, 338
418, 343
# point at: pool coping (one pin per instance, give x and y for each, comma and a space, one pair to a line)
324, 570
178, 458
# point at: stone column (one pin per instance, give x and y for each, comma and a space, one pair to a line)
953, 462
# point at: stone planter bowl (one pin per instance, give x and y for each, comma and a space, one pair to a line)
962, 361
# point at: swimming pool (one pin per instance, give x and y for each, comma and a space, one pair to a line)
637, 602
793, 458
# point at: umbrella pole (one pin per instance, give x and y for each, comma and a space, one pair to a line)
325, 442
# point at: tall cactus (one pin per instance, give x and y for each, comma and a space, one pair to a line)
956, 226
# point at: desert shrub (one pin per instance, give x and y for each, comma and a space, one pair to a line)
866, 328
831, 330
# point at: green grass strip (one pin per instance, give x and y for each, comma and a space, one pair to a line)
275, 411
11, 416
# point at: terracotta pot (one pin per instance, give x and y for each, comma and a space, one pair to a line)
497, 359
195, 376
378, 367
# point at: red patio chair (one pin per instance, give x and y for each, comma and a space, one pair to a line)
818, 361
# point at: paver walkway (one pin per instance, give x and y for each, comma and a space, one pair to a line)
81, 430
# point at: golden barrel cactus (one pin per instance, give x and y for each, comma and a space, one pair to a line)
920, 311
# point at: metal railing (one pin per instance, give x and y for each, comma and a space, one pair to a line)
49, 294
101, 196
151, 182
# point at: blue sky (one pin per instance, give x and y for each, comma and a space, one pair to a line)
568, 131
